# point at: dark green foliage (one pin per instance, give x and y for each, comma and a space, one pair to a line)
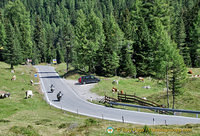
108, 37
2, 36
178, 74
42, 122
12, 51
146, 129
20, 18
109, 53
89, 37
127, 67
39, 41
195, 44
90, 122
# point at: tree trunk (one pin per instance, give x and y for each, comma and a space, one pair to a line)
11, 66
173, 90
67, 58
167, 85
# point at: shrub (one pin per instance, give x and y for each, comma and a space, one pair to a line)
26, 131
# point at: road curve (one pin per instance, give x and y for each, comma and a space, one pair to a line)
73, 103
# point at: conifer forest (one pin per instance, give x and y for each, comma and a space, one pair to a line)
128, 38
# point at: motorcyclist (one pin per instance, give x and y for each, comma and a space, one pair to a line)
52, 88
59, 95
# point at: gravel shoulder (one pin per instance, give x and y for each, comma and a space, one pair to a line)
84, 90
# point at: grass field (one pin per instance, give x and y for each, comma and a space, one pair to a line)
34, 117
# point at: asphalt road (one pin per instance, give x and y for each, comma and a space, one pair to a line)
73, 103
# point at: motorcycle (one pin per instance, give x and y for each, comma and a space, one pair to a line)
52, 88
59, 96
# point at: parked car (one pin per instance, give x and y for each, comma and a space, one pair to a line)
88, 79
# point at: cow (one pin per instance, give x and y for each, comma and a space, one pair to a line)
13, 78
144, 98
115, 82
12, 71
190, 72
4, 94
29, 94
147, 87
31, 81
114, 89
141, 79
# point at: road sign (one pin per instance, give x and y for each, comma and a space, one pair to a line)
54, 61
35, 75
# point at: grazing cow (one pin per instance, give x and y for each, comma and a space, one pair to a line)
190, 72
31, 82
13, 78
4, 94
144, 98
141, 79
114, 89
122, 92
29, 94
115, 82
147, 87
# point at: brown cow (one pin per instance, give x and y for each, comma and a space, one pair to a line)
114, 89
190, 72
141, 79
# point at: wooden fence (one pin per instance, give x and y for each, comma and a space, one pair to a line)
135, 99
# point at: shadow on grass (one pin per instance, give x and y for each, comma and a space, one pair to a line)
73, 72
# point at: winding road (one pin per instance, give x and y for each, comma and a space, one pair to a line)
73, 103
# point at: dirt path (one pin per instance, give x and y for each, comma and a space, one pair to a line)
84, 90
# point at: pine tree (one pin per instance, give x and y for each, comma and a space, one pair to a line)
2, 36
89, 36
180, 40
178, 75
195, 45
110, 52
12, 51
50, 55
95, 37
126, 67
69, 38
19, 17
39, 41
81, 44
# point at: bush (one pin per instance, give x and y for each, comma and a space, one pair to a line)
4, 121
90, 122
26, 131
42, 122
147, 129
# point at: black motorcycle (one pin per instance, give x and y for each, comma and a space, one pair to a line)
59, 96
52, 88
